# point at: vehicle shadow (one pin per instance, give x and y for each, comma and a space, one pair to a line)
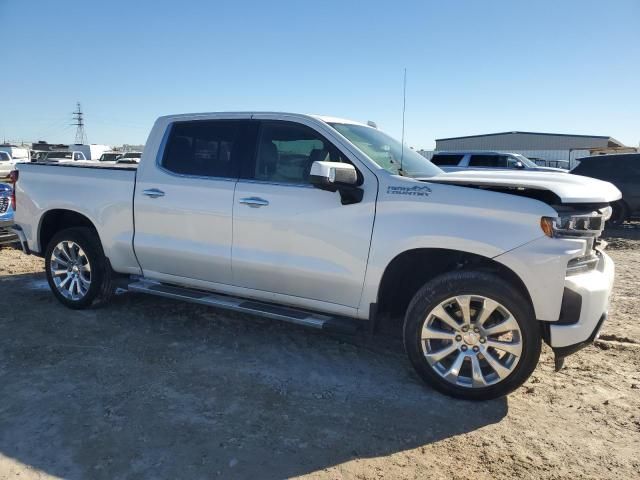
154, 388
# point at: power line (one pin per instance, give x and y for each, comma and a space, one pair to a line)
81, 136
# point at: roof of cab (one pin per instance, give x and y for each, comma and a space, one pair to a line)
323, 118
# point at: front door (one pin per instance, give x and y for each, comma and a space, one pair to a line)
290, 238
184, 201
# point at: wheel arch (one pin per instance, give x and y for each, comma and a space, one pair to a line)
411, 269
56, 220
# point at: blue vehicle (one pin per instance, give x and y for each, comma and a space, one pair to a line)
7, 236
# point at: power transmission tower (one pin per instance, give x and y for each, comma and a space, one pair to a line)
81, 136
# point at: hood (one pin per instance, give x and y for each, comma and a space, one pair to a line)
549, 169
567, 187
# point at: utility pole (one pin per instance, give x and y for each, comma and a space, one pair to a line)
81, 136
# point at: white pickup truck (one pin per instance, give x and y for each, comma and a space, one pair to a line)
331, 223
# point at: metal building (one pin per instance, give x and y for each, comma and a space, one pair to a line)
554, 149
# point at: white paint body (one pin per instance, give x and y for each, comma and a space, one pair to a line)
306, 249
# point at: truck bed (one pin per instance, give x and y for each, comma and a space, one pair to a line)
102, 194
89, 164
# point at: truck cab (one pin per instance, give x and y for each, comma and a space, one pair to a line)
331, 223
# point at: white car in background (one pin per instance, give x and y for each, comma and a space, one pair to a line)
6, 164
63, 156
130, 157
486, 160
109, 156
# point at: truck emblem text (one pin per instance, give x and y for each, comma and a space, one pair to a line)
417, 191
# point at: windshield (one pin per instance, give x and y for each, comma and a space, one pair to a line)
4, 156
387, 152
525, 160
132, 155
59, 155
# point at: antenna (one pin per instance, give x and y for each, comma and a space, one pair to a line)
404, 107
81, 137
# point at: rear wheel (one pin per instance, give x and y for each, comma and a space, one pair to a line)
471, 335
77, 270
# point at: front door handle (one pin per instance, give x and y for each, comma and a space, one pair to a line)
254, 202
153, 193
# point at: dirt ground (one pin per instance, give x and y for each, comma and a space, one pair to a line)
152, 388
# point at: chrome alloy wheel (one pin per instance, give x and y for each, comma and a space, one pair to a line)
70, 270
471, 341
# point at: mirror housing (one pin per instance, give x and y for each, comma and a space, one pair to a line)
333, 175
337, 177
519, 165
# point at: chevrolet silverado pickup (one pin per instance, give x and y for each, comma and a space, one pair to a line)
331, 223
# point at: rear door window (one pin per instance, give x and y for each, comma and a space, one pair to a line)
495, 161
206, 148
446, 159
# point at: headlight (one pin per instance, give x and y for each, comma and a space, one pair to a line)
575, 224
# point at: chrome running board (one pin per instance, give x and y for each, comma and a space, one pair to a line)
269, 310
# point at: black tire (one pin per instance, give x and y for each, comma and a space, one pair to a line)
101, 277
472, 283
620, 212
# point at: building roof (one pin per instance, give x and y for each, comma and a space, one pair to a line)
526, 133
519, 139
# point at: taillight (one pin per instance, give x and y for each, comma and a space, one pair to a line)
13, 176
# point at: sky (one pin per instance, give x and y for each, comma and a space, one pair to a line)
473, 67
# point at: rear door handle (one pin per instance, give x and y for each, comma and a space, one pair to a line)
254, 202
153, 193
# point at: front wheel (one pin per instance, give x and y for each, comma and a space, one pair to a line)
472, 335
77, 270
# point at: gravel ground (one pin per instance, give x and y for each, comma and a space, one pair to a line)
148, 387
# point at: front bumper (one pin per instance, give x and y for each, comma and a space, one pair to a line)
592, 291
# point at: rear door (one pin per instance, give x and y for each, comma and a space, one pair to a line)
290, 238
184, 201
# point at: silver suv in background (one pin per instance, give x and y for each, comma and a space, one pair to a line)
483, 160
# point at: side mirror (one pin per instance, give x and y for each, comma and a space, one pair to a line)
333, 175
519, 165
337, 177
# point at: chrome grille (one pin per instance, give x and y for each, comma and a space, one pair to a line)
4, 204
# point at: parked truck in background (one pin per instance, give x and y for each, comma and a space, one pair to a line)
92, 151
17, 154
331, 223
